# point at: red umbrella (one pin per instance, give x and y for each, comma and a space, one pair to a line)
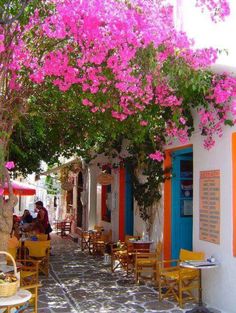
20, 189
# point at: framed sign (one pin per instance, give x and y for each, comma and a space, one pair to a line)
209, 217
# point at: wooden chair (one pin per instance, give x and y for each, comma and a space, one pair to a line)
98, 228
28, 269
33, 302
84, 243
94, 238
147, 264
39, 250
118, 255
42, 237
101, 242
122, 254
12, 247
180, 282
65, 228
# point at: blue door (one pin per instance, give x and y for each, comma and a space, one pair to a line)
182, 201
129, 212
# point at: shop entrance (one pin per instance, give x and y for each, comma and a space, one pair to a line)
182, 201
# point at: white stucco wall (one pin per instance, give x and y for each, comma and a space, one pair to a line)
218, 284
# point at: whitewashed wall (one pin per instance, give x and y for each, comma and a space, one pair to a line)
219, 284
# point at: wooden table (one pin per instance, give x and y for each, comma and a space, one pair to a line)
19, 298
141, 245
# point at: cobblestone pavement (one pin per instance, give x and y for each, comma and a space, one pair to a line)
79, 282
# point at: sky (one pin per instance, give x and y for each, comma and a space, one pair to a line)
206, 33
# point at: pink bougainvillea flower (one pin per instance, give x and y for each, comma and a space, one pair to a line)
157, 156
233, 107
182, 120
143, 123
10, 165
1, 191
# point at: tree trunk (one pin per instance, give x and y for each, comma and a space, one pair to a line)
6, 206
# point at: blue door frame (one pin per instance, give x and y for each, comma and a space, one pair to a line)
182, 201
129, 212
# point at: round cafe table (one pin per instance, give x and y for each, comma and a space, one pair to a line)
200, 265
141, 245
18, 299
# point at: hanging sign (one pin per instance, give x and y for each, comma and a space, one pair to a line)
105, 179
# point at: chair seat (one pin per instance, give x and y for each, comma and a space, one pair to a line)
145, 263
183, 273
25, 274
181, 283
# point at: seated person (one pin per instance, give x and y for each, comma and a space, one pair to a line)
26, 217
15, 231
35, 228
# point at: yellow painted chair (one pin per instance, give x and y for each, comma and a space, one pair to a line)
98, 228
178, 282
85, 238
42, 237
122, 254
33, 302
118, 255
12, 246
39, 250
147, 264
100, 243
28, 269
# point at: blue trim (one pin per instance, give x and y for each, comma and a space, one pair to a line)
129, 212
181, 230
182, 151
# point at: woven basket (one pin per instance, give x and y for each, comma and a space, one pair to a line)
9, 289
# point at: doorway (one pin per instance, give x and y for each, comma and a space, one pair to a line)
182, 201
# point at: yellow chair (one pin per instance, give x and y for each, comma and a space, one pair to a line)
118, 255
33, 302
28, 269
101, 241
39, 250
85, 238
29, 272
147, 264
180, 282
12, 246
122, 254
42, 237
98, 228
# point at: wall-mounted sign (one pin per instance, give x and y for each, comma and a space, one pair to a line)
209, 217
105, 179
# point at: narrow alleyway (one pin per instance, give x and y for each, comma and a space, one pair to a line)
79, 282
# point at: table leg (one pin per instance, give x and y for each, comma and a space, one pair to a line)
200, 308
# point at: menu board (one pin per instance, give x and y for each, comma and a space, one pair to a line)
209, 217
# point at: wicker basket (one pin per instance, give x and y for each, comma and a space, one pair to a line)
9, 289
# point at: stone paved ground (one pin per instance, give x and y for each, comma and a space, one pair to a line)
79, 282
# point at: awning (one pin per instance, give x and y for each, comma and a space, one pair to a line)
20, 189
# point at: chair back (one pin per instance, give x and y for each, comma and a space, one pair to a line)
158, 250
98, 228
12, 247
128, 237
187, 255
107, 236
42, 237
37, 249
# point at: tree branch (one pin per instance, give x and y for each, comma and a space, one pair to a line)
9, 20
